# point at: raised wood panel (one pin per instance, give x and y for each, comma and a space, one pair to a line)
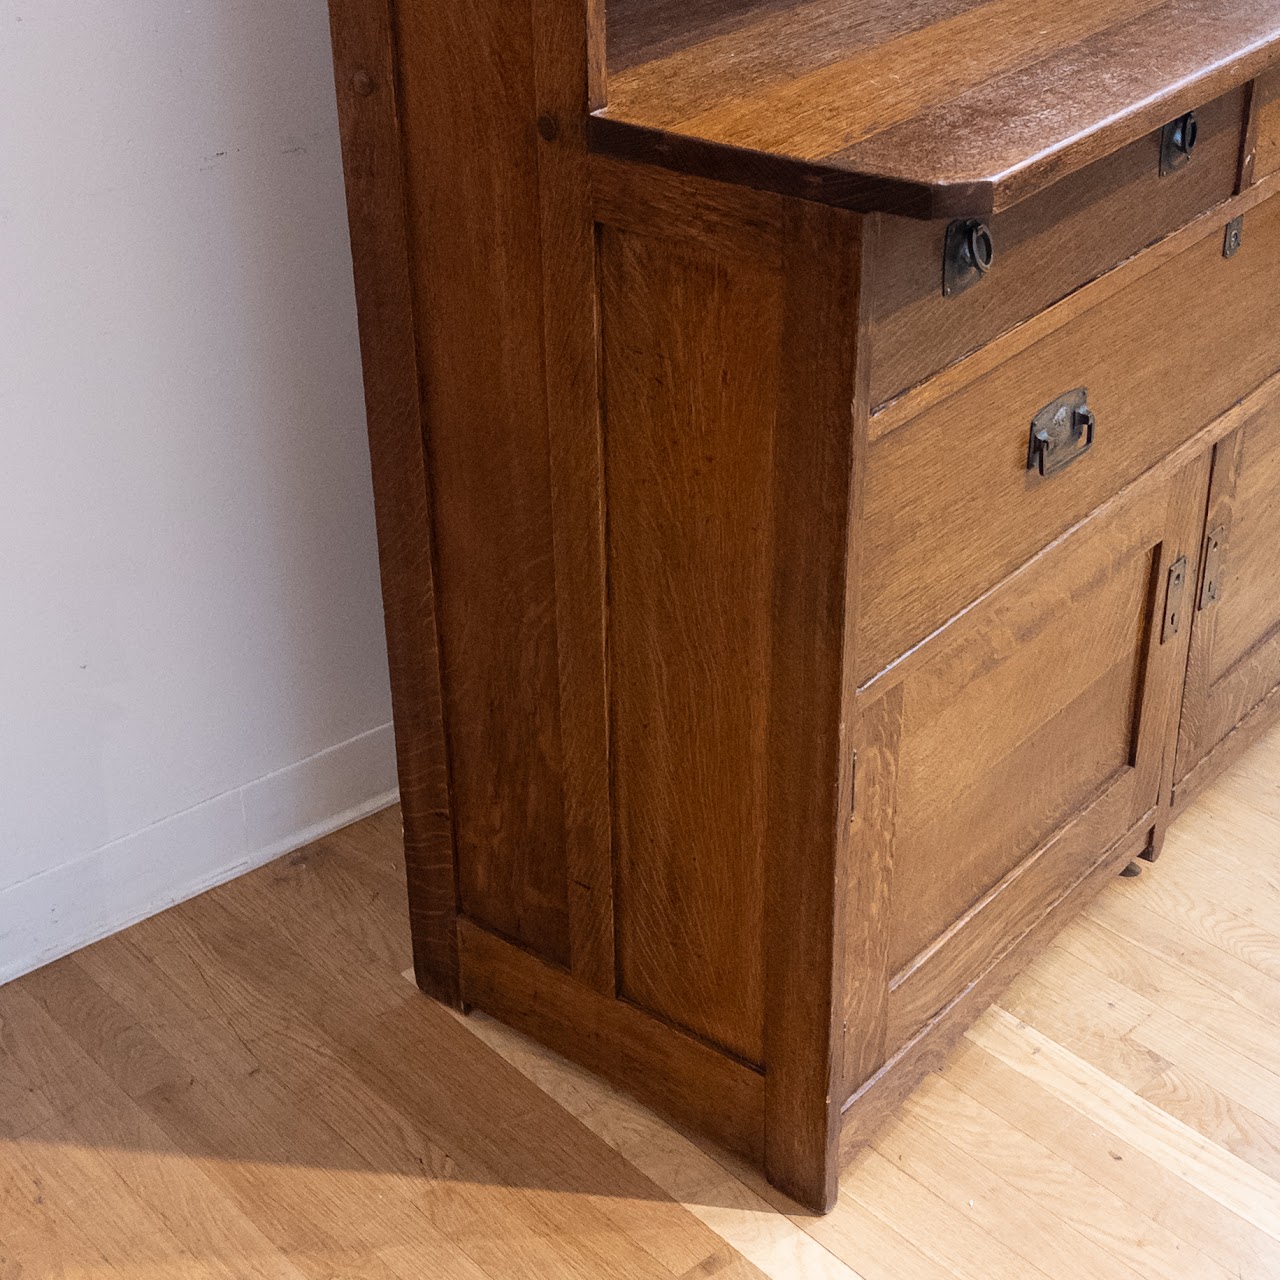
1267, 124
1025, 716
1013, 844
1005, 779
951, 506
1045, 247
1235, 647
475, 223
690, 340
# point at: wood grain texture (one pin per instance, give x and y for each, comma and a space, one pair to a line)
672, 1071
356, 1137
1046, 247
1234, 663
475, 222
780, 731
1111, 1089
973, 503
868, 1108
817, 480
1266, 107
1087, 720
898, 412
371, 152
867, 933
690, 336
869, 107
564, 37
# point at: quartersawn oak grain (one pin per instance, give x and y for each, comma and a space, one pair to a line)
872, 106
954, 484
1046, 247
756, 730
690, 452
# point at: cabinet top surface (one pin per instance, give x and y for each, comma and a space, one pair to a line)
933, 108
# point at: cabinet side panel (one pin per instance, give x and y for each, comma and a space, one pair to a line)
364, 75
469, 109
690, 341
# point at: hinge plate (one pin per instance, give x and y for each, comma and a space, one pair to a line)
1211, 582
1233, 237
1174, 592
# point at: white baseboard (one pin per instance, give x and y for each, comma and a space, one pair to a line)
70, 906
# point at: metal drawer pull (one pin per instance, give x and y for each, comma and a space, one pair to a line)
967, 255
1061, 432
1178, 142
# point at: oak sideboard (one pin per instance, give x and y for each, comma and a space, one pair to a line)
827, 463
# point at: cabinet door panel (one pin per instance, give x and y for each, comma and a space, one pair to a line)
1022, 719
1235, 646
1029, 737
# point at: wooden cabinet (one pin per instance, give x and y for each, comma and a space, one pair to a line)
827, 496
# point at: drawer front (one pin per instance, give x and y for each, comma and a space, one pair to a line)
951, 505
1027, 738
1267, 108
1045, 247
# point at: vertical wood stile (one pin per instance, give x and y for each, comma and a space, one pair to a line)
568, 40
364, 72
820, 439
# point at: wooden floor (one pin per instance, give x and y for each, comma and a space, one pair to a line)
248, 1086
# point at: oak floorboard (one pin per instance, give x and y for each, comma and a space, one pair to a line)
248, 1086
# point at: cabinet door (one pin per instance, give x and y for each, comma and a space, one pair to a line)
1007, 755
1234, 666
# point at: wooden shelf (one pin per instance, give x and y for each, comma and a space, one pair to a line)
930, 108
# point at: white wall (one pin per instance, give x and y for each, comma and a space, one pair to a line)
192, 674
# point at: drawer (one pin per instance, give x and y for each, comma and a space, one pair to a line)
1267, 109
1045, 247
951, 506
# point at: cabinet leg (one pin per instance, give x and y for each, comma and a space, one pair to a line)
1156, 843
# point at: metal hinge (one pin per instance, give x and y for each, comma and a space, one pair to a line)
1211, 579
1173, 599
